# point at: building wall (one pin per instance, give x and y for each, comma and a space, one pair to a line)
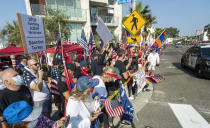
118, 13
77, 24
85, 4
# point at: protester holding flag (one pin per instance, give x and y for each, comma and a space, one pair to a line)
62, 85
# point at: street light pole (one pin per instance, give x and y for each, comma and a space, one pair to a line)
134, 5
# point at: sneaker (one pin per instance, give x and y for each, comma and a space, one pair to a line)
131, 98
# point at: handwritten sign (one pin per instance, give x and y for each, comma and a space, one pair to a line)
32, 33
141, 81
103, 31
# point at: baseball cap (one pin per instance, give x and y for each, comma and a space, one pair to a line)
21, 111
86, 82
83, 63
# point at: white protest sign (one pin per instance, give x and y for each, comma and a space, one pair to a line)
103, 31
32, 33
141, 81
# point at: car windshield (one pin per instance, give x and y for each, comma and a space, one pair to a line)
205, 51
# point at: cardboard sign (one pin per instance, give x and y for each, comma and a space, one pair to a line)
141, 81
103, 31
134, 39
32, 33
124, 2
134, 22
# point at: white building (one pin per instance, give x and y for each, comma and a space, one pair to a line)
82, 13
206, 33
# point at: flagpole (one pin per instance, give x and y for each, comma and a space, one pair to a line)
160, 34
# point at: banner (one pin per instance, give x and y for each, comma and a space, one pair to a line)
140, 80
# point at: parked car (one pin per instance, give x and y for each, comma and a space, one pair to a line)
178, 45
198, 59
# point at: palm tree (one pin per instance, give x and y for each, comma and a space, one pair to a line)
11, 32
146, 13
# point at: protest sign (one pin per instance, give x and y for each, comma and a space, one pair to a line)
103, 31
32, 33
140, 80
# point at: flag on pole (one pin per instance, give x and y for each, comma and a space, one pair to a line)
158, 42
102, 44
92, 46
83, 37
113, 108
54, 87
128, 115
82, 44
124, 38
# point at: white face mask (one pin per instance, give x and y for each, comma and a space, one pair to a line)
2, 85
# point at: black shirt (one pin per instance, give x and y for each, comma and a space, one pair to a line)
62, 87
8, 97
122, 68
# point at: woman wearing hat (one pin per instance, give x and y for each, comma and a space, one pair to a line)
81, 107
22, 115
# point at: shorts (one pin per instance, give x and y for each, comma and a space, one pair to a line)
151, 67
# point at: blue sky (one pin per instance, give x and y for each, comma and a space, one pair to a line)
186, 15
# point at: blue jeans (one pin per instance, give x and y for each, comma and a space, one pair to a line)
47, 107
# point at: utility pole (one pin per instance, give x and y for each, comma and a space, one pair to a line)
134, 5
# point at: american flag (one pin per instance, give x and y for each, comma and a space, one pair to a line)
92, 45
54, 87
82, 44
156, 78
83, 38
113, 108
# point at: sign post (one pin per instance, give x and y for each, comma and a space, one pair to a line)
134, 22
32, 33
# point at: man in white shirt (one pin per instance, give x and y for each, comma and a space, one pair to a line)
153, 60
33, 79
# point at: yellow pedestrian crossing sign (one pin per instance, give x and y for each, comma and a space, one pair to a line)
134, 22
133, 39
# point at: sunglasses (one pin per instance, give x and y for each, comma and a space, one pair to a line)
36, 64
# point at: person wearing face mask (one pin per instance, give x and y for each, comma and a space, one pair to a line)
84, 69
14, 91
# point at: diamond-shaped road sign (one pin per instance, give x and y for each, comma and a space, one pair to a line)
134, 22
134, 39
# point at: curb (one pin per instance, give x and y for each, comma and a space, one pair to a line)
141, 100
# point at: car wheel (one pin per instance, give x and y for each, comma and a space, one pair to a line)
199, 71
182, 64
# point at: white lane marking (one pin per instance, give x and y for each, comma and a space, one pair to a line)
188, 117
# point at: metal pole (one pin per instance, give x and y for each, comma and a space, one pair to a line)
134, 5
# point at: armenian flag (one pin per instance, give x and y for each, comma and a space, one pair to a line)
102, 44
159, 41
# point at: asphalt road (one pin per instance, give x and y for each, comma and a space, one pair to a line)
181, 86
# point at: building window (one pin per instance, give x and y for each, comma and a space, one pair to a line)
111, 2
76, 30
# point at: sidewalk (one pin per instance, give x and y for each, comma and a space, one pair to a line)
141, 100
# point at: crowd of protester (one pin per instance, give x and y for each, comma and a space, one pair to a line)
26, 95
